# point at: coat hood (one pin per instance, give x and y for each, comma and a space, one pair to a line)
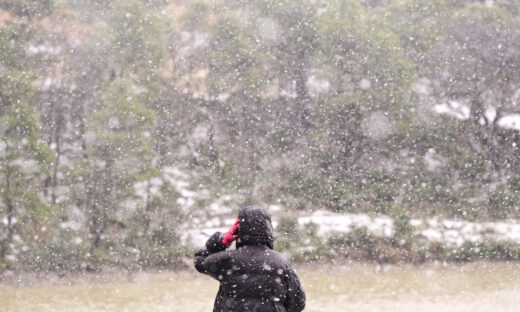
255, 227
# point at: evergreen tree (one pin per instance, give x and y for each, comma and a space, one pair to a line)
23, 158
120, 155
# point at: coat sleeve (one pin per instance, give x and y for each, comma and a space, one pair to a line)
211, 260
295, 297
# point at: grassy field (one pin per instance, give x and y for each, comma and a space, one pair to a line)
470, 287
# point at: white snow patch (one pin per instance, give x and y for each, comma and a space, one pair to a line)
377, 126
329, 223
199, 237
432, 160
147, 188
274, 208
416, 222
223, 97
455, 232
44, 48
191, 42
213, 222
113, 122
364, 84
452, 233
490, 113
178, 179
511, 121
269, 30
72, 225
27, 166
317, 86
454, 109
17, 238
421, 86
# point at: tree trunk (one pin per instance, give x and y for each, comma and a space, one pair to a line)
483, 139
57, 160
102, 220
302, 93
9, 216
213, 151
147, 218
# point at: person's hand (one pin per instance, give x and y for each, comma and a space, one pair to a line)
231, 235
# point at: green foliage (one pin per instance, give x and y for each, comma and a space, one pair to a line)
369, 75
121, 152
359, 244
369, 50
232, 46
289, 235
12, 38
505, 200
419, 24
288, 226
20, 129
123, 125
15, 83
489, 249
138, 39
28, 8
402, 227
63, 253
480, 13
197, 16
23, 161
14, 87
298, 35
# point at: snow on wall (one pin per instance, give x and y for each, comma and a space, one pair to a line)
453, 233
511, 121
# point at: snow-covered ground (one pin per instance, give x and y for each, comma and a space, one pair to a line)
471, 287
453, 233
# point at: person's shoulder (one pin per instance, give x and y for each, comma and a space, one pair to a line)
280, 258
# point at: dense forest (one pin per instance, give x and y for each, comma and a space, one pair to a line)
123, 120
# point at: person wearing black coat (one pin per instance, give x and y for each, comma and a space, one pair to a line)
253, 277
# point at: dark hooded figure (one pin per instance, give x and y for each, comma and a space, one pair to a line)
253, 277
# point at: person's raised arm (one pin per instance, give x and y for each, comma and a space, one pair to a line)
207, 259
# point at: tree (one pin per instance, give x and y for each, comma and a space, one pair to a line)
419, 24
137, 39
120, 155
28, 8
289, 34
365, 110
14, 81
23, 158
478, 65
234, 87
23, 162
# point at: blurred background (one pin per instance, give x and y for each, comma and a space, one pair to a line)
379, 131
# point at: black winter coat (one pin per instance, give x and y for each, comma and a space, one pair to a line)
253, 277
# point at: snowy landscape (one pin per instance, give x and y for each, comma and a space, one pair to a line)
382, 137
450, 232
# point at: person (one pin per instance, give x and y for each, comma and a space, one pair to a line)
253, 277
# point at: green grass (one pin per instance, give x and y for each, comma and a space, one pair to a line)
469, 287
